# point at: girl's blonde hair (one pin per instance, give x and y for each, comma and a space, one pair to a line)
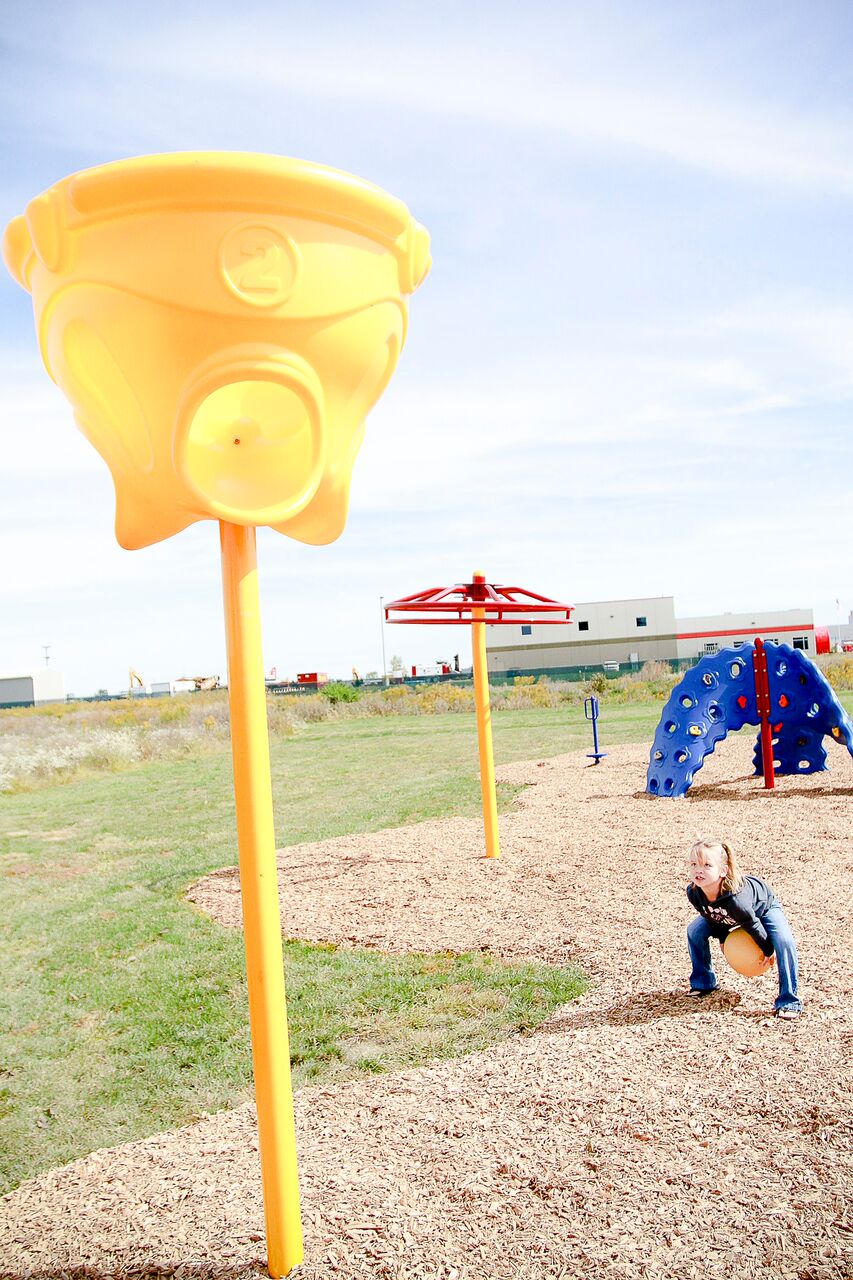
732, 878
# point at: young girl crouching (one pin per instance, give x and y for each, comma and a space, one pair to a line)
727, 900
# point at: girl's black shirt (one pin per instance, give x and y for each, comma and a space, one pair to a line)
743, 909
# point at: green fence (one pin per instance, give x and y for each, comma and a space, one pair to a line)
574, 674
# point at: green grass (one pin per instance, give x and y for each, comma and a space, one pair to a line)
123, 1008
390, 771
351, 1012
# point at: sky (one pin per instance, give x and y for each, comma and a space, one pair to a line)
629, 373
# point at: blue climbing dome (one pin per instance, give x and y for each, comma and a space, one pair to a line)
717, 697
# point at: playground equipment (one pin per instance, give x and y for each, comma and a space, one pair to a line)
221, 324
590, 711
766, 684
744, 954
479, 603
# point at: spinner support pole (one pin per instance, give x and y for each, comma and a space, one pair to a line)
484, 723
259, 890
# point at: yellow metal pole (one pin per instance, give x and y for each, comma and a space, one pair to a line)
259, 888
484, 726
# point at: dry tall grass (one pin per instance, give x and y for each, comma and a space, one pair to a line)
60, 741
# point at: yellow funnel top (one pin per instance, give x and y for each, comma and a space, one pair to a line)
221, 323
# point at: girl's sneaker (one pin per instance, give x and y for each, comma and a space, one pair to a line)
788, 1014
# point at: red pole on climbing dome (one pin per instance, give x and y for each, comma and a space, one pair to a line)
762, 703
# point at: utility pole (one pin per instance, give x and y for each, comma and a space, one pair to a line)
47, 648
382, 625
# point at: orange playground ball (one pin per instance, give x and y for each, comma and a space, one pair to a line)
744, 954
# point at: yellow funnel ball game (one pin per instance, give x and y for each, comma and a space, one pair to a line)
221, 323
744, 954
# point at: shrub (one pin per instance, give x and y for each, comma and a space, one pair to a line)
396, 691
168, 744
531, 695
173, 711
336, 692
443, 697
654, 670
312, 708
840, 673
24, 764
280, 718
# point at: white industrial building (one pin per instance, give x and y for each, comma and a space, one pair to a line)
631, 632
32, 688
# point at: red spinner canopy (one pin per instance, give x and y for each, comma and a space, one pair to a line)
495, 605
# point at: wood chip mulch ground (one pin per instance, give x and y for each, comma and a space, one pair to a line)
638, 1133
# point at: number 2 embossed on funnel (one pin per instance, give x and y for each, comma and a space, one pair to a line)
221, 323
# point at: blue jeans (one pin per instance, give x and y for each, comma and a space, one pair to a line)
703, 977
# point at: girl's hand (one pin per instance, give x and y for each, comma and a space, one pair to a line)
768, 963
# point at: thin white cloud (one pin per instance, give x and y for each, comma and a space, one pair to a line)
807, 338
687, 123
200, 68
746, 140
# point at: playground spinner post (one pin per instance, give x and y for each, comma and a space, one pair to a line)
259, 889
762, 702
475, 604
484, 721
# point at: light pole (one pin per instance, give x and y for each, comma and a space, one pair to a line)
47, 648
382, 626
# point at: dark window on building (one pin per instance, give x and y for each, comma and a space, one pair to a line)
642, 622
527, 631
738, 644
801, 642
712, 647
583, 626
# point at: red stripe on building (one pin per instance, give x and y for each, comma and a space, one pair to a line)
803, 629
